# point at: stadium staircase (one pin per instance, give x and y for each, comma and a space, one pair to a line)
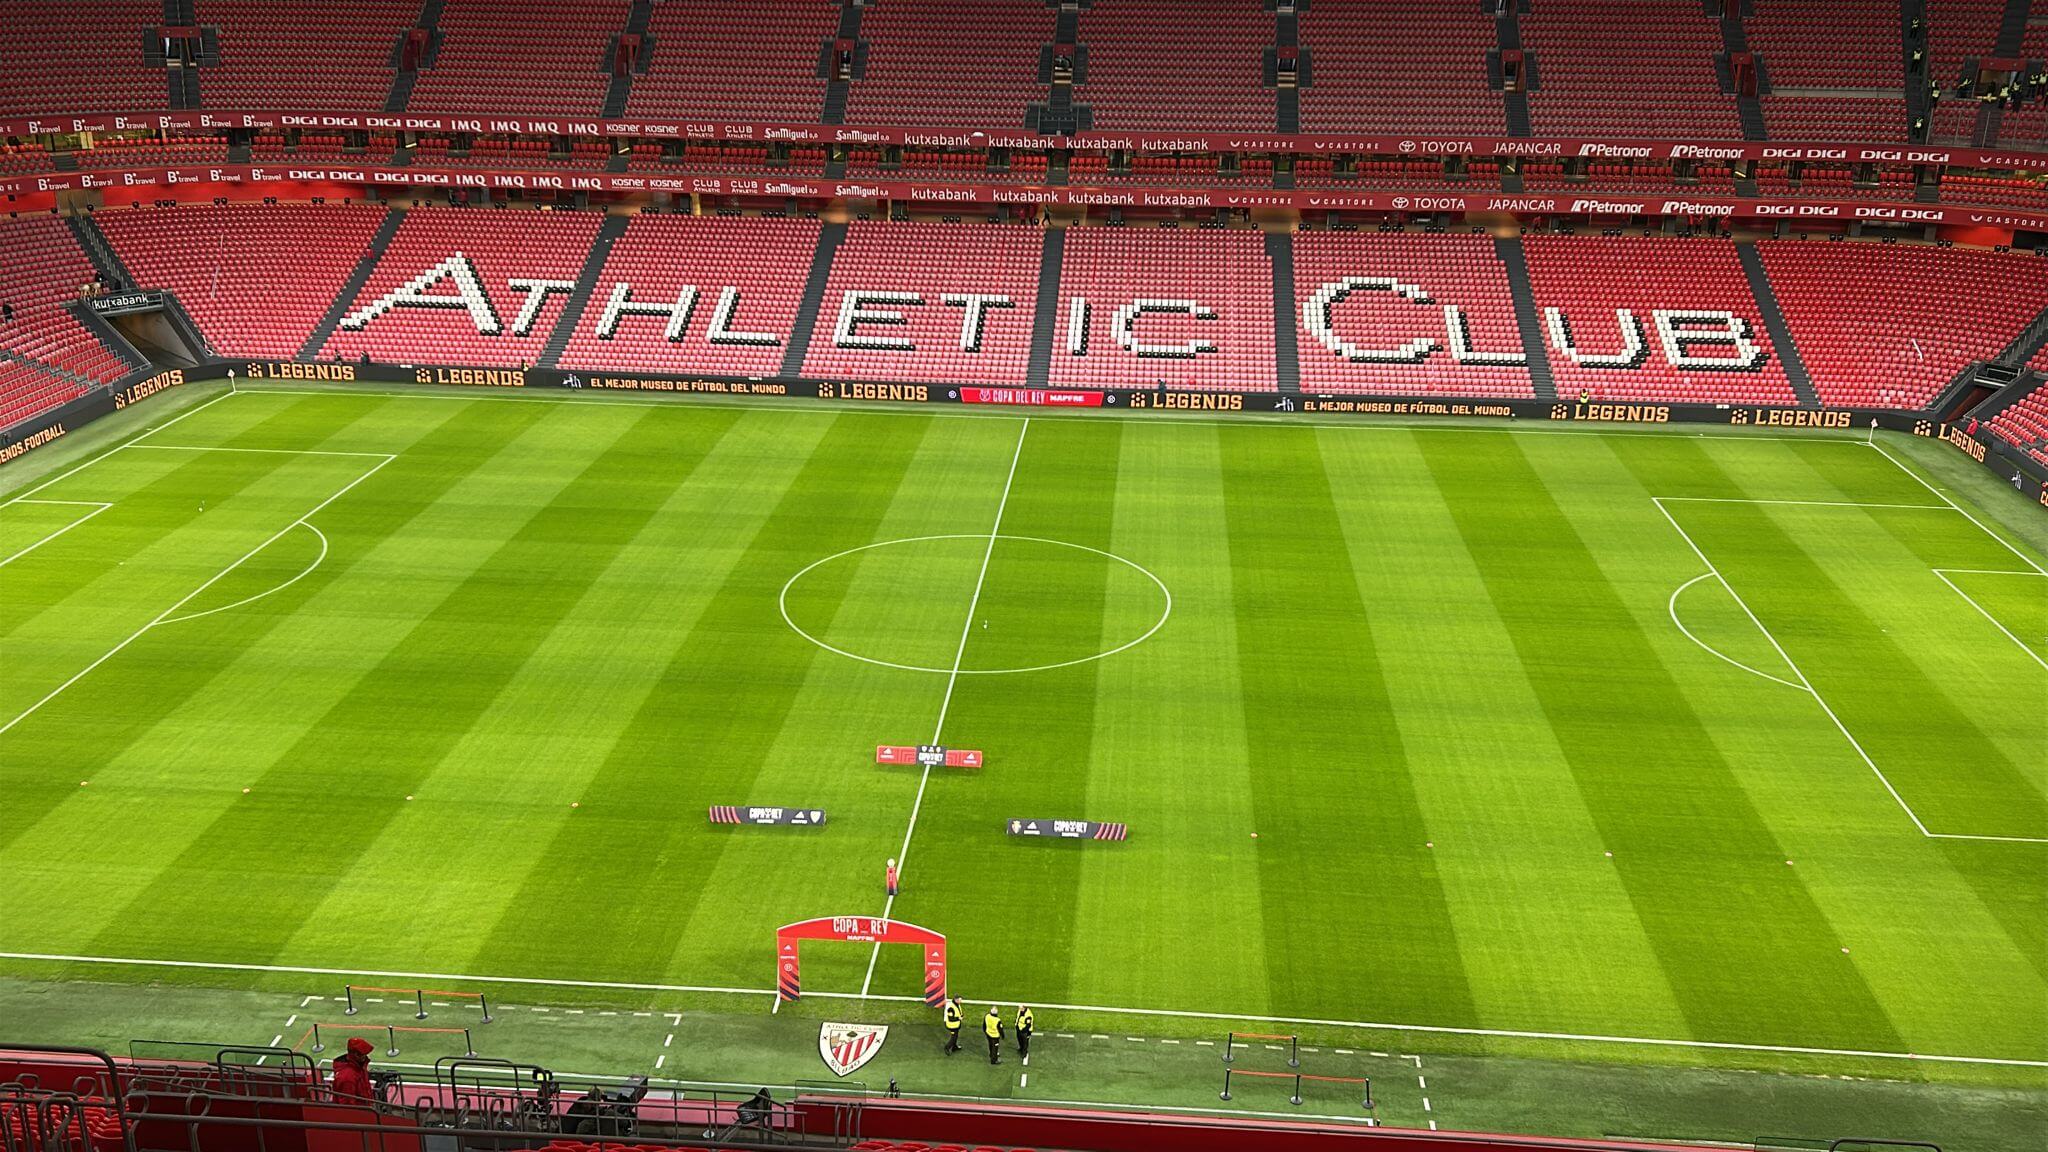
402, 83
1735, 41
1286, 97
109, 338
829, 239
828, 62
2029, 343
1059, 114
97, 250
1044, 322
1509, 249
586, 286
1508, 28
1918, 107
1286, 353
621, 88
364, 267
2012, 30
182, 68
1774, 323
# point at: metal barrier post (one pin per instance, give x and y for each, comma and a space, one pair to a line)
1294, 1055
1226, 1084
391, 1034
419, 1000
318, 1046
1229, 1043
1297, 1090
349, 991
468, 1043
486, 1002
1368, 1094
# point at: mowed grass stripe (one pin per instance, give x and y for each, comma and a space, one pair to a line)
1744, 949
703, 730
345, 778
1042, 604
1171, 759
1832, 815
899, 600
1955, 775
166, 529
483, 819
125, 722
1357, 923
1521, 860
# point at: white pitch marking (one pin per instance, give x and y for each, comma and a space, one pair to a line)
1671, 609
307, 1000
1822, 701
129, 443
668, 1040
1023, 1079
1135, 1039
189, 596
97, 507
373, 1000
2026, 559
660, 1060
1176, 1042
1097, 1036
946, 703
1807, 503
676, 1018
302, 574
1423, 1082
1995, 622
782, 605
1425, 1104
643, 1013
291, 1019
277, 1039
257, 451
1104, 1009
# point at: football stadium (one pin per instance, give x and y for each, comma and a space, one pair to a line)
1011, 575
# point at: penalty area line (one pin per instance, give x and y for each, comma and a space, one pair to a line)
1111, 1010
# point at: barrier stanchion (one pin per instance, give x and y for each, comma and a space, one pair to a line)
483, 1000
1226, 1083
468, 1044
419, 1001
348, 992
1294, 1055
1229, 1044
318, 1046
391, 1033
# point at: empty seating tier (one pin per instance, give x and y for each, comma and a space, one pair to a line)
762, 67
1889, 325
1160, 307
523, 57
1417, 67
40, 276
946, 63
83, 57
1653, 74
1406, 315
1638, 319
929, 302
735, 281
1166, 66
2025, 422
313, 55
256, 278
467, 286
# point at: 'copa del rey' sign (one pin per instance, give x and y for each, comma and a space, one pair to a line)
1598, 148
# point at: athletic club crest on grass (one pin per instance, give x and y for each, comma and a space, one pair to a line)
846, 1047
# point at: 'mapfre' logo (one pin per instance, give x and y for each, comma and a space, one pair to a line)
845, 1047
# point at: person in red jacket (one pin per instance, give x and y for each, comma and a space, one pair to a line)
352, 1071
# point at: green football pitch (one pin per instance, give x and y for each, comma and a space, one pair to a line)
1600, 750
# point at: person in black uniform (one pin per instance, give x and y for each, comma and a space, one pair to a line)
952, 1025
992, 1026
1024, 1033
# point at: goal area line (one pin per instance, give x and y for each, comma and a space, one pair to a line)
1168, 1013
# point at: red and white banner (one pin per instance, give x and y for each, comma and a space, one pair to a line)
815, 188
1036, 397
1599, 148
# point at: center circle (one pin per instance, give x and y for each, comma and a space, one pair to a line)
1055, 568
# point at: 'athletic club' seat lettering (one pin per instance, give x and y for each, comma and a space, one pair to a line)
1690, 339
